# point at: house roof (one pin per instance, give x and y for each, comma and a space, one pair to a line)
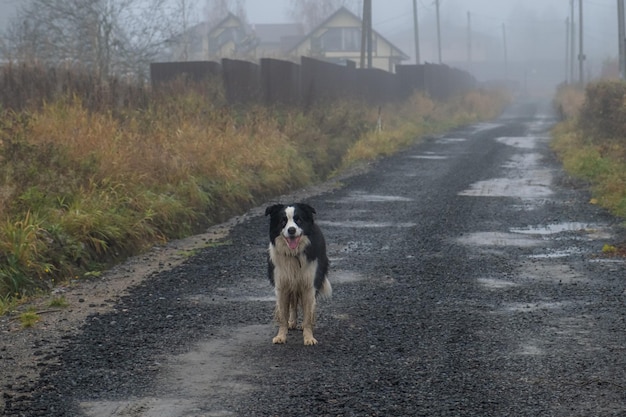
221, 23
275, 32
343, 10
284, 35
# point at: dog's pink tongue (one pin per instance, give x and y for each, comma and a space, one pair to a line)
292, 242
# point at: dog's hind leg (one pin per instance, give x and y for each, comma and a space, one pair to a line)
282, 316
308, 317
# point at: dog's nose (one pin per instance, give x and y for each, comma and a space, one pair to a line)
291, 230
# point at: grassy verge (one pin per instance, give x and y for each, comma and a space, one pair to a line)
590, 141
87, 182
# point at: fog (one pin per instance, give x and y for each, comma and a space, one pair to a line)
533, 32
394, 17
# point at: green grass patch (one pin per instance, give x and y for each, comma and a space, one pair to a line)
591, 144
58, 302
29, 318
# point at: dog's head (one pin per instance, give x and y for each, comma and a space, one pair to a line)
289, 224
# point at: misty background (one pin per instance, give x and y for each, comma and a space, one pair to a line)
524, 41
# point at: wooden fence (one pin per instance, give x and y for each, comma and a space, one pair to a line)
273, 81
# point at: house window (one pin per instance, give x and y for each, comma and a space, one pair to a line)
341, 39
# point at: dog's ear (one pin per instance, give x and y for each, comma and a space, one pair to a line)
307, 209
273, 209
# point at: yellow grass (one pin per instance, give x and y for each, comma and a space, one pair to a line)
82, 188
584, 153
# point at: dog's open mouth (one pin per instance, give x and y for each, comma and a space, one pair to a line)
292, 241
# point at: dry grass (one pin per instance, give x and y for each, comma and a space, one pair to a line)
89, 176
568, 100
590, 143
402, 124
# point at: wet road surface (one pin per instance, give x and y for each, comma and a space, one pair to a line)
468, 281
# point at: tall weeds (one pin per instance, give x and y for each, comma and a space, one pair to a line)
401, 124
92, 172
590, 142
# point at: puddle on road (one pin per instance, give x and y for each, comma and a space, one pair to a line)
523, 162
481, 127
362, 197
549, 273
497, 239
351, 247
529, 188
344, 277
561, 253
198, 381
523, 142
524, 307
551, 229
446, 141
530, 349
526, 179
496, 284
362, 224
143, 407
427, 156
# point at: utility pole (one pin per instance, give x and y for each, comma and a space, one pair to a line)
572, 37
369, 33
621, 33
469, 41
438, 32
506, 57
567, 23
581, 55
364, 35
416, 33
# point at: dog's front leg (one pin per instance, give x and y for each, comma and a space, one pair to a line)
293, 312
282, 316
308, 318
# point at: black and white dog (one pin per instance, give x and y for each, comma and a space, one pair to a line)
297, 267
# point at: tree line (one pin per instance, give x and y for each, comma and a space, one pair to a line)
122, 37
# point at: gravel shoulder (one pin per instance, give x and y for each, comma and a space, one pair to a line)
468, 279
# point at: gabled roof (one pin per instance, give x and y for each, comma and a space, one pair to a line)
343, 10
222, 22
274, 32
283, 35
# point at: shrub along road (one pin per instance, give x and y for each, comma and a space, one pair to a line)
468, 279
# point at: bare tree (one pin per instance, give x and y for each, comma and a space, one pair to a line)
216, 10
180, 32
106, 36
313, 12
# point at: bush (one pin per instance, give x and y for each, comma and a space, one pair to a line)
603, 114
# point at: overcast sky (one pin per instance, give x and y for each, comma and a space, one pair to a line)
391, 17
524, 38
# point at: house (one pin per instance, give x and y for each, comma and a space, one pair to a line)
230, 38
276, 39
338, 40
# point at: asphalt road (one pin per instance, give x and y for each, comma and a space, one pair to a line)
468, 280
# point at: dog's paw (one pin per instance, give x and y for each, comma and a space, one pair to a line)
292, 325
279, 340
310, 341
